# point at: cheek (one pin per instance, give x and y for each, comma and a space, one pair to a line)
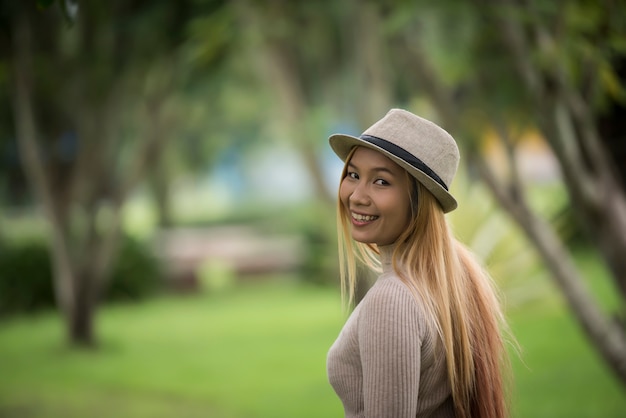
344, 192
402, 207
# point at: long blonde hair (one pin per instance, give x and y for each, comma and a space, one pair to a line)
458, 296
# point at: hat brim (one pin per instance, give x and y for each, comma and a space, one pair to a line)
342, 144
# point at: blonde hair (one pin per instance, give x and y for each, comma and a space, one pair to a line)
458, 296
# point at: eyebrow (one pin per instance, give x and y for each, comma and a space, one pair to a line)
375, 169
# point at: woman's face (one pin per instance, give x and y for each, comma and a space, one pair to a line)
375, 193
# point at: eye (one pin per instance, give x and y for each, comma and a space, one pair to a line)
353, 175
381, 182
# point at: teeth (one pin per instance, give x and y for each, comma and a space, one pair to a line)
366, 218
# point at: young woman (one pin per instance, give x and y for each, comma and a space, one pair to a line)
425, 340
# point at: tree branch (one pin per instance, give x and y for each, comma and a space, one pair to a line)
608, 336
516, 40
516, 185
429, 81
571, 159
26, 132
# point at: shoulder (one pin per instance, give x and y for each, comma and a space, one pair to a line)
391, 316
389, 289
390, 299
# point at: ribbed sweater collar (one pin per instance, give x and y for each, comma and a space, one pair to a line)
386, 253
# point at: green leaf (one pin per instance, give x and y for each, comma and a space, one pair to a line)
44, 4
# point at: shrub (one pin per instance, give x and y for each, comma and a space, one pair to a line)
26, 283
320, 265
25, 278
137, 273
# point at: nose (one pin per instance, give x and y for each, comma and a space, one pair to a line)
359, 195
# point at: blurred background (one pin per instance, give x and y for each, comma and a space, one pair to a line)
167, 193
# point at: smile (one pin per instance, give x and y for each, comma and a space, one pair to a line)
363, 218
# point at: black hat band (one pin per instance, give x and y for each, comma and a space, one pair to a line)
405, 156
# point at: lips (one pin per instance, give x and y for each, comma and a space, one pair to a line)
362, 218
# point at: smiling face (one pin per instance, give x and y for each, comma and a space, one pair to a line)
375, 193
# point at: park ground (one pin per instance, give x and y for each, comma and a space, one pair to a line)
258, 350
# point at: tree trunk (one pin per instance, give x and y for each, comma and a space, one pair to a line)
27, 134
370, 63
80, 324
293, 104
159, 123
76, 281
160, 186
569, 125
604, 332
278, 67
607, 335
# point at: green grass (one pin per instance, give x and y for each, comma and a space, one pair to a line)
259, 351
256, 352
558, 374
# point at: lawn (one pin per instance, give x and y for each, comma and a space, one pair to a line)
257, 351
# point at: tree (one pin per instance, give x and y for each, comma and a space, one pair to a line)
298, 77
88, 81
555, 67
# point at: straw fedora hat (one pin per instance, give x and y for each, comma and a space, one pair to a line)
425, 150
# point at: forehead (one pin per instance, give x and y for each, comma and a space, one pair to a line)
367, 158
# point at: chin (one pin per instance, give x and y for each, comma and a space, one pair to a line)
363, 240
366, 240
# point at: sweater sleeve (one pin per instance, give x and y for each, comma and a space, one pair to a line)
389, 341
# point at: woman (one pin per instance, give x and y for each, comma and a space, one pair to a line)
425, 340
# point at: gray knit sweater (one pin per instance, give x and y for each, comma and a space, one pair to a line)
386, 362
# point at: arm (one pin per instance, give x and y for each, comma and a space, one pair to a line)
389, 342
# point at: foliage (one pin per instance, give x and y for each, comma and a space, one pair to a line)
26, 284
137, 273
222, 78
320, 266
320, 261
25, 278
537, 66
93, 114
